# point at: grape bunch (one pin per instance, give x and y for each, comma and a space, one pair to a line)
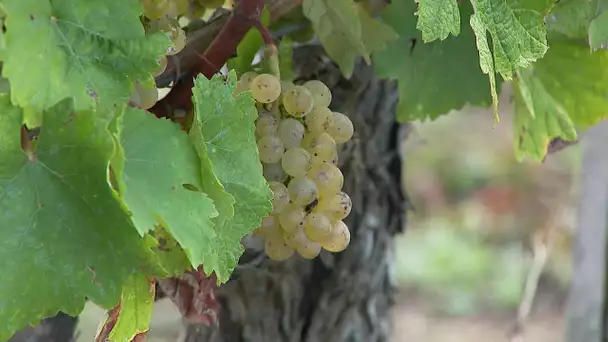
165, 15
297, 136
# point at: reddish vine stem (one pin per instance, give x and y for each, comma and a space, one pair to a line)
246, 15
265, 33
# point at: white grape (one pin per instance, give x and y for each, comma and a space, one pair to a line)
162, 66
270, 149
265, 88
266, 125
298, 101
276, 248
280, 198
269, 226
142, 97
274, 172
337, 206
296, 162
334, 158
341, 128
320, 93
178, 41
322, 146
318, 120
317, 226
309, 249
180, 7
245, 81
155, 9
295, 238
327, 177
292, 217
291, 132
338, 239
302, 190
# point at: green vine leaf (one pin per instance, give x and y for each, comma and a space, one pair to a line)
578, 79
518, 35
61, 223
161, 183
538, 118
88, 50
433, 78
437, 19
571, 18
343, 33
567, 88
223, 133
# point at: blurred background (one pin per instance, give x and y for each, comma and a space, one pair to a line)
484, 228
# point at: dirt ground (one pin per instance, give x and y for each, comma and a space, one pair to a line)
413, 322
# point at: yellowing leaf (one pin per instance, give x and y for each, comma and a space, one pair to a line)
136, 306
538, 118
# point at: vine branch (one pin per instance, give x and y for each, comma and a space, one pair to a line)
247, 14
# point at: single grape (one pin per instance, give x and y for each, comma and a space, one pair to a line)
142, 97
327, 177
320, 93
274, 172
302, 190
195, 11
336, 206
245, 81
291, 132
269, 226
162, 67
298, 101
211, 3
318, 120
339, 238
322, 147
155, 9
280, 199
286, 85
276, 248
317, 226
266, 125
180, 7
296, 162
292, 217
334, 158
341, 128
270, 148
163, 24
248, 76
265, 88
295, 238
309, 249
178, 41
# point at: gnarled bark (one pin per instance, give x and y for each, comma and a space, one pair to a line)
337, 297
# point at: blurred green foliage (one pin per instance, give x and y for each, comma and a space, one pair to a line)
458, 269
